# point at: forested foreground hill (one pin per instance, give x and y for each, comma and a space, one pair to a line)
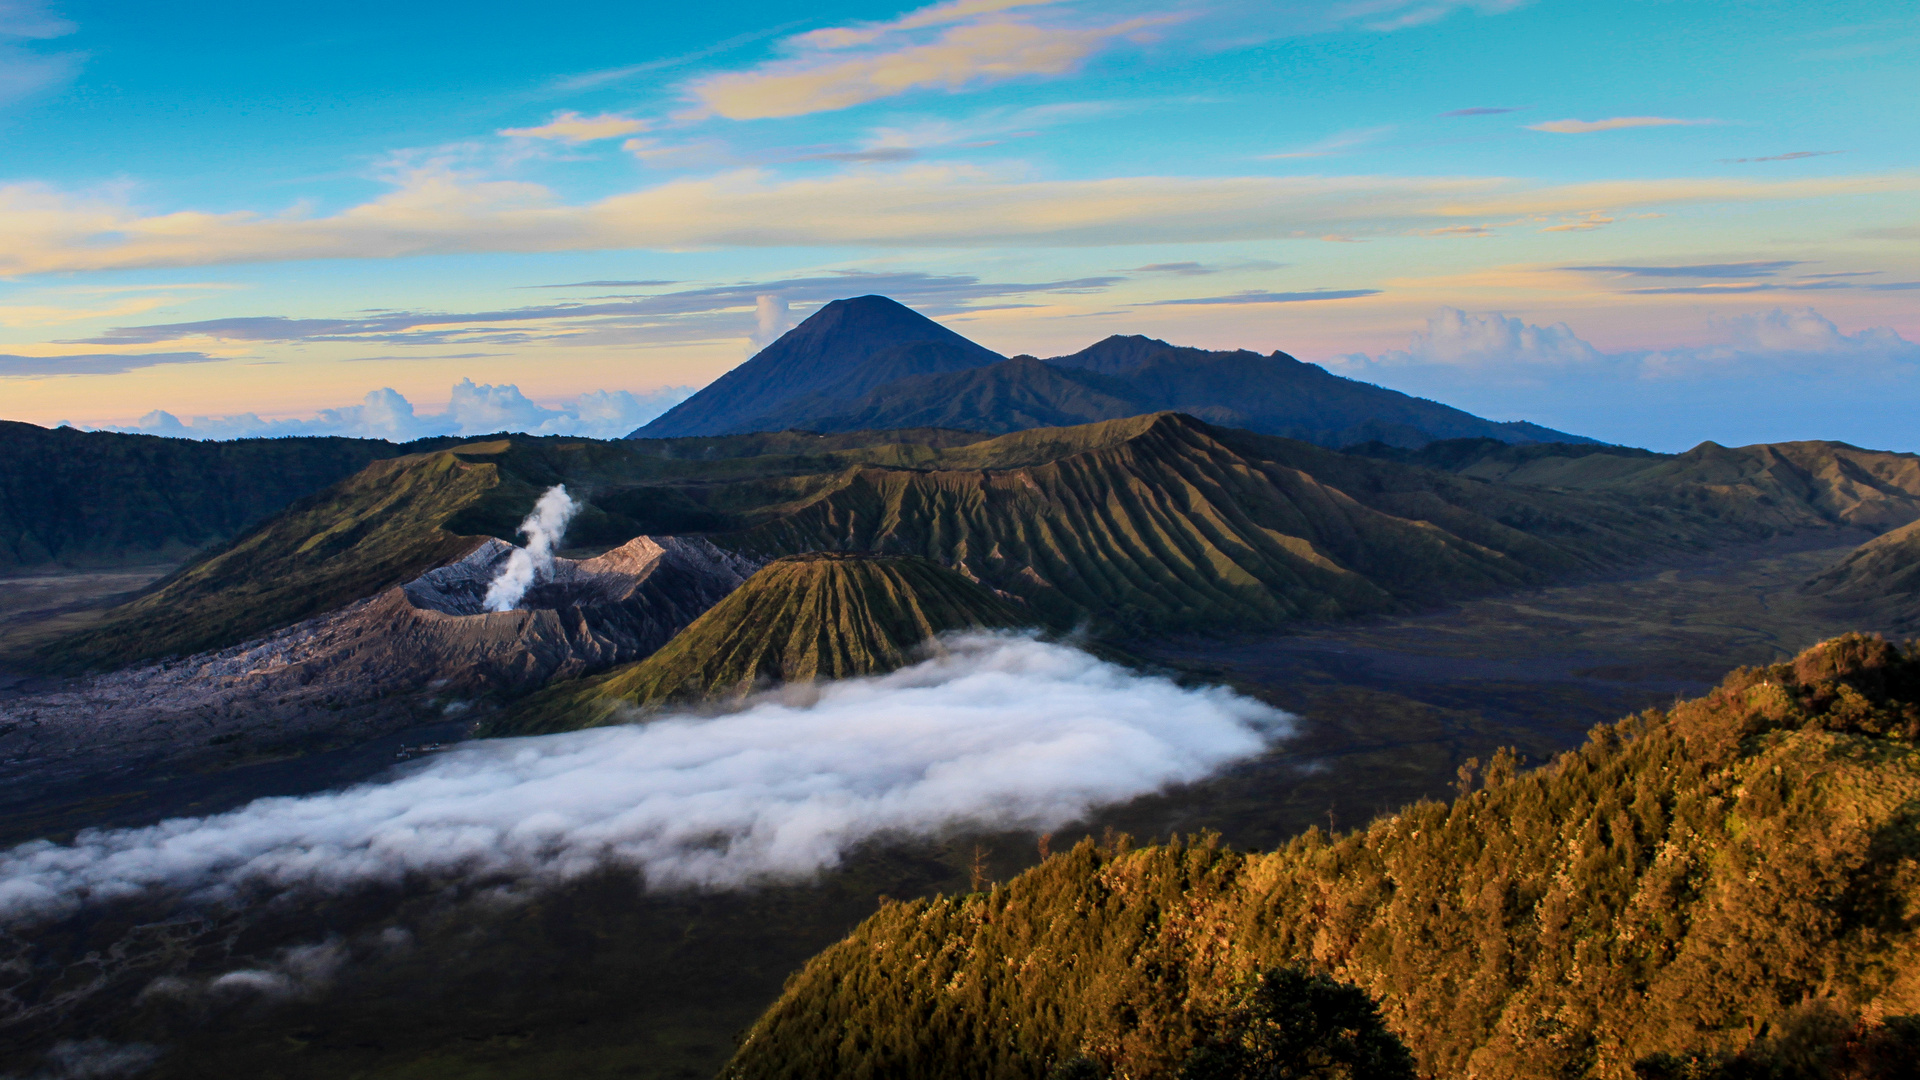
1739, 875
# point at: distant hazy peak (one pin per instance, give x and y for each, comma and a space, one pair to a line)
827, 352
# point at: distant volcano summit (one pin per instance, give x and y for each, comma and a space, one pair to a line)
871, 364
832, 359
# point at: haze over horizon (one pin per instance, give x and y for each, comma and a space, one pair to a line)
1651, 225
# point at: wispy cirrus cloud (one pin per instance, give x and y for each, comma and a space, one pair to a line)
24, 68
845, 37
1257, 297
1736, 288
701, 313
1795, 156
437, 212
979, 42
1698, 270
40, 367
1390, 15
571, 127
1335, 144
1197, 269
1615, 123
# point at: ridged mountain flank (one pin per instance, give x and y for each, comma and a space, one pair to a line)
1164, 522
1883, 573
799, 619
837, 354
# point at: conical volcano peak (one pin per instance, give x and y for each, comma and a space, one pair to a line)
838, 353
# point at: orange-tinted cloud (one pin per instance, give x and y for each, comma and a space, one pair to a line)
1587, 127
573, 128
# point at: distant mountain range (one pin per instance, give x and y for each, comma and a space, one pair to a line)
869, 363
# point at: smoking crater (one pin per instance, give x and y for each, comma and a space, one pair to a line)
527, 566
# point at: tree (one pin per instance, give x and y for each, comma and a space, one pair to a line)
1296, 1026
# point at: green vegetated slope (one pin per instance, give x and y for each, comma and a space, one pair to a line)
99, 498
1886, 566
381, 527
400, 517
1145, 524
1882, 575
1737, 875
797, 620
1765, 488
1165, 522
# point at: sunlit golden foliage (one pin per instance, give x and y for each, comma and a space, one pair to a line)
1739, 875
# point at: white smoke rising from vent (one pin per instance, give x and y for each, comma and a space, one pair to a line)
526, 566
1002, 732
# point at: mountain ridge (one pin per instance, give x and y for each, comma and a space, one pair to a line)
870, 363
828, 353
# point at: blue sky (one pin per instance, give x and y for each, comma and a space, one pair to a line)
1654, 221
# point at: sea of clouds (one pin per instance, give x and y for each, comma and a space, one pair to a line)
1001, 731
472, 409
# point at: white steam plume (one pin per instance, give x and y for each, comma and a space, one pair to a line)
1003, 732
543, 530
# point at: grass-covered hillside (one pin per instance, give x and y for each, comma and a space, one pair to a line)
1164, 522
1761, 489
1133, 526
799, 619
98, 498
1729, 888
399, 517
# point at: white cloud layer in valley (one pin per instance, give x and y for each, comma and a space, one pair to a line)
1004, 731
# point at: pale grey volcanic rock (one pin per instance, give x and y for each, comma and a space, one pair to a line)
413, 653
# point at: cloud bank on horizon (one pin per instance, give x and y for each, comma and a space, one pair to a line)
1750, 379
1002, 161
1002, 732
471, 410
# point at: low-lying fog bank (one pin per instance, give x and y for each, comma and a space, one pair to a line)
1003, 732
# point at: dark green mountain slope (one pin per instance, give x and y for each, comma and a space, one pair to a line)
99, 498
1886, 568
1121, 377
838, 353
377, 529
799, 619
398, 518
1144, 524
1160, 522
1739, 875
1765, 488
